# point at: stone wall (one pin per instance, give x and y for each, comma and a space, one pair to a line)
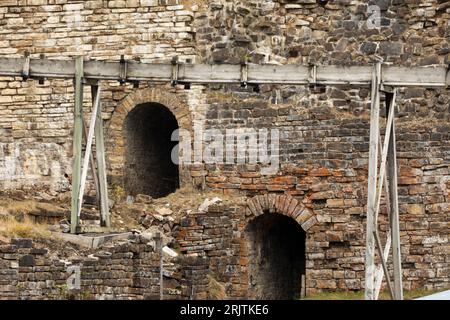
333, 253
34, 117
324, 131
324, 32
125, 271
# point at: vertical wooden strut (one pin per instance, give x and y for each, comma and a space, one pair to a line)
77, 144
388, 168
394, 212
101, 162
372, 183
89, 139
93, 168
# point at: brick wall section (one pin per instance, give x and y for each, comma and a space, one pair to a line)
124, 271
299, 31
334, 252
324, 138
36, 120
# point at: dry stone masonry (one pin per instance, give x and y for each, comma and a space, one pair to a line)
125, 271
312, 211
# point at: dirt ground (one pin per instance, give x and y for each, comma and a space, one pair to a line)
36, 217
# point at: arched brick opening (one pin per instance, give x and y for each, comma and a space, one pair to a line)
276, 257
281, 204
276, 235
116, 143
149, 168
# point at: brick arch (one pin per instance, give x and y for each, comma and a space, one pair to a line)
115, 137
282, 204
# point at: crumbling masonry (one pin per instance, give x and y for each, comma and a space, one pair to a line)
308, 219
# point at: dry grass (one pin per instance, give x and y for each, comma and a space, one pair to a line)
188, 4
25, 207
359, 295
18, 207
12, 228
188, 197
216, 289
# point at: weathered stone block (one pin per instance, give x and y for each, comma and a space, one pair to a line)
26, 261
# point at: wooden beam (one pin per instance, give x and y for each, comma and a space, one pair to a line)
390, 104
433, 76
93, 168
77, 145
87, 154
411, 76
394, 218
372, 182
101, 162
379, 272
383, 263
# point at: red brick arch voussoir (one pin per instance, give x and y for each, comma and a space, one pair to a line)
282, 204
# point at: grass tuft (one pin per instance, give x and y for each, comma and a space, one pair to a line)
12, 228
216, 289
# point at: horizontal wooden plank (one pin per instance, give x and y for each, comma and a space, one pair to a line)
435, 76
101, 70
154, 72
11, 66
344, 74
206, 73
289, 74
52, 68
410, 75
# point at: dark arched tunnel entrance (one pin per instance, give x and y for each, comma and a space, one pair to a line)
276, 255
149, 168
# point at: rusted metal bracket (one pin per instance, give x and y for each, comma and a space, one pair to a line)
42, 80
244, 74
123, 70
312, 74
174, 78
26, 66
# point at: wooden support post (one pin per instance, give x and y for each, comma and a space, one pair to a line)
101, 163
303, 287
390, 110
379, 270
383, 263
390, 103
379, 273
77, 145
93, 167
394, 213
87, 154
372, 182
